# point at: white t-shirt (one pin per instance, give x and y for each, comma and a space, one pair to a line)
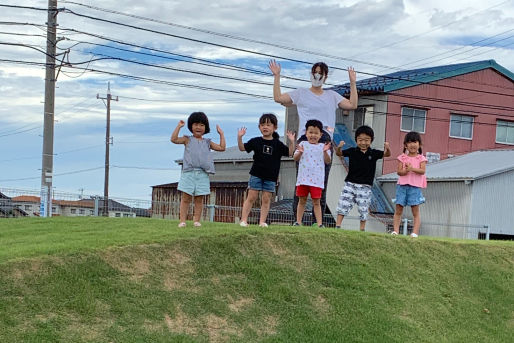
311, 106
311, 167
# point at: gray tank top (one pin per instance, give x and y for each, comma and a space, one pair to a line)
197, 155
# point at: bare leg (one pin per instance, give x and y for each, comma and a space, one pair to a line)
185, 201
198, 208
301, 208
316, 204
397, 218
417, 219
265, 203
339, 219
247, 206
362, 225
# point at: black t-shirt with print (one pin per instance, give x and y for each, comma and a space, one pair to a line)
362, 165
266, 157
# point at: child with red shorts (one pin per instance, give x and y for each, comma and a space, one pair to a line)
312, 157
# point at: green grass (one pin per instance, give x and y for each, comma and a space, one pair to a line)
145, 280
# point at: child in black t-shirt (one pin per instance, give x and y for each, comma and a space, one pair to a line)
361, 172
268, 150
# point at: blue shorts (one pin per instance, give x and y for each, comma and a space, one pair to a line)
195, 182
258, 184
407, 195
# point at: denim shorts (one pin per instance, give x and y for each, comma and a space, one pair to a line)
195, 182
258, 184
407, 195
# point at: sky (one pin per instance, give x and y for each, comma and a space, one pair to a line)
167, 59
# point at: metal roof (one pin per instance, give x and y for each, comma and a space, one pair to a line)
414, 77
473, 166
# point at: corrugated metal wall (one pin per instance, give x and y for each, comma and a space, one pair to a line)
447, 203
492, 202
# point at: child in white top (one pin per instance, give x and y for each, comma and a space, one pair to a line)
312, 157
411, 169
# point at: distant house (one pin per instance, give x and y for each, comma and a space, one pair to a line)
474, 189
67, 208
76, 208
7, 208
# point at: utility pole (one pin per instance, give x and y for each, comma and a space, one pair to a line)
48, 130
108, 141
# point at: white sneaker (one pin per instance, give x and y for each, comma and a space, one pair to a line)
394, 233
413, 235
243, 224
263, 225
182, 224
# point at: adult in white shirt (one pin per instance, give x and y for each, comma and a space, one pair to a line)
315, 103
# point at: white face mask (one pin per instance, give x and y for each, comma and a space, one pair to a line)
317, 80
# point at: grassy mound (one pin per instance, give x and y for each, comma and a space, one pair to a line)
108, 280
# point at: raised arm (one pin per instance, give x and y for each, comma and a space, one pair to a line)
387, 150
283, 99
221, 146
292, 140
339, 148
298, 153
351, 104
240, 133
326, 154
174, 136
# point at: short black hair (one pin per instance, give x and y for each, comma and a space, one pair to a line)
270, 118
198, 117
322, 65
365, 129
314, 123
412, 136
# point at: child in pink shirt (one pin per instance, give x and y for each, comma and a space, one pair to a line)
411, 169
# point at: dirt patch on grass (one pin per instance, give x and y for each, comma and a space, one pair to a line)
239, 304
267, 326
321, 305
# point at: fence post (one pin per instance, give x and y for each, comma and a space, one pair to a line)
405, 222
211, 208
487, 232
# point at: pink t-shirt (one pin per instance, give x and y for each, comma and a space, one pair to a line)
413, 178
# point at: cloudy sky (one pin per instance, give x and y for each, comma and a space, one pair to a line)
166, 59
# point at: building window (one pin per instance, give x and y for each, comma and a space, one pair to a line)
504, 132
363, 116
73, 211
91, 212
82, 211
413, 119
461, 126
28, 207
54, 209
118, 214
127, 215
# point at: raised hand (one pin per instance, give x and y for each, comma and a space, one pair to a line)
291, 135
218, 128
181, 123
274, 67
241, 132
386, 145
327, 146
351, 74
341, 144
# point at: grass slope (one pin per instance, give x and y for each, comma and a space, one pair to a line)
110, 280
